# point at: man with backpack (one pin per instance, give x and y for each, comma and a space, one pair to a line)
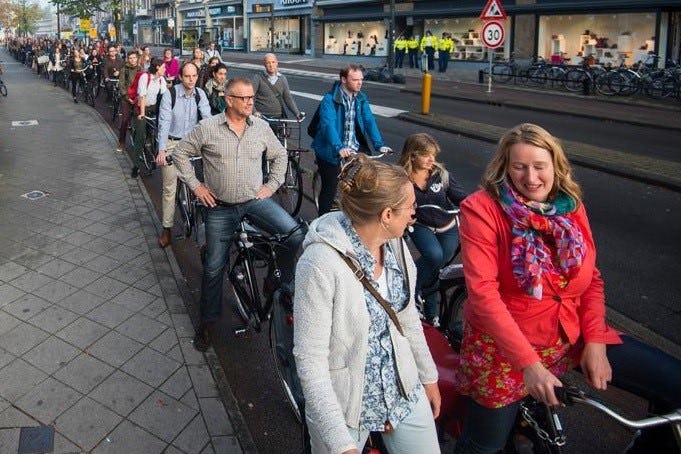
181, 108
343, 124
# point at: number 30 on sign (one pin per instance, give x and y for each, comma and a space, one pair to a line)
493, 34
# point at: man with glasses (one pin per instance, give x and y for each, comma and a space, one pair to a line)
231, 146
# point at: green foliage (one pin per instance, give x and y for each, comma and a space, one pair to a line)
79, 8
25, 16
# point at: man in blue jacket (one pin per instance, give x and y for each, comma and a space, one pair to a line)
346, 125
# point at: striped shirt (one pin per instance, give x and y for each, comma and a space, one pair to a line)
232, 166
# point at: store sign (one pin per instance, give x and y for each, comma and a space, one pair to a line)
196, 13
84, 25
285, 3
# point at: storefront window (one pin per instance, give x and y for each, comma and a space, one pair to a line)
286, 34
466, 32
232, 36
356, 38
601, 38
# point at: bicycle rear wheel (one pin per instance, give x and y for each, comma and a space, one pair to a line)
148, 155
451, 321
242, 277
574, 79
281, 345
3, 89
290, 193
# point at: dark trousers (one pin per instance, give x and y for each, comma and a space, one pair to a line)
126, 111
76, 79
413, 58
636, 367
328, 174
443, 60
399, 57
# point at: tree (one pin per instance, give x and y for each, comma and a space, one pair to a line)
6, 14
25, 16
79, 8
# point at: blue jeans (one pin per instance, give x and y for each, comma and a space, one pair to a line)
221, 222
436, 250
636, 367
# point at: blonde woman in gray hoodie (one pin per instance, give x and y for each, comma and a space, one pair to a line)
361, 368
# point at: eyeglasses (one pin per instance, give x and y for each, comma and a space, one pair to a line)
243, 98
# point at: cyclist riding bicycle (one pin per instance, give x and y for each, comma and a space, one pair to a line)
234, 188
346, 125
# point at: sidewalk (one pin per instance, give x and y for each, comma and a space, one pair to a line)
95, 340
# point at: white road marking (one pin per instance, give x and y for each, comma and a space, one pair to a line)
381, 111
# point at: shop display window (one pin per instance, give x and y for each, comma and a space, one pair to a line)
356, 38
465, 33
286, 34
608, 39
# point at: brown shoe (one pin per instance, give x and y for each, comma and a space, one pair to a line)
202, 339
165, 239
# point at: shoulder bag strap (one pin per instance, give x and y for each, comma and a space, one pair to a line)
359, 274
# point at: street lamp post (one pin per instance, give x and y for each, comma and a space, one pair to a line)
391, 39
272, 27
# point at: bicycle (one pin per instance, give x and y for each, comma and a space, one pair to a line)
3, 88
148, 152
290, 194
317, 179
190, 207
254, 249
115, 106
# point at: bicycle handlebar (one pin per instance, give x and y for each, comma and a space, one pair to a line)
283, 120
439, 208
570, 395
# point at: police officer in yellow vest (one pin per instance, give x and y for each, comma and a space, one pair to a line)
413, 52
445, 47
400, 50
429, 45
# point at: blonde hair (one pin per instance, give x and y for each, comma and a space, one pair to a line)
367, 187
416, 145
528, 133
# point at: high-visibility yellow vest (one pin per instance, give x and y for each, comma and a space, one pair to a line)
412, 44
428, 41
400, 44
446, 45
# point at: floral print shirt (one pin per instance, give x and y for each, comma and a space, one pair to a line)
382, 400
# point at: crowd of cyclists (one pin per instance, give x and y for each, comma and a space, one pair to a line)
137, 82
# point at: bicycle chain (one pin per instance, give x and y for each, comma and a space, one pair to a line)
559, 440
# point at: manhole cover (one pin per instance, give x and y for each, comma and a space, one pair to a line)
34, 195
36, 439
25, 123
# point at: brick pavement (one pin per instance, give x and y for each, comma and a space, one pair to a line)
95, 340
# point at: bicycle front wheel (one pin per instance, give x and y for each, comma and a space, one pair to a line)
3, 89
281, 345
185, 205
575, 78
247, 297
290, 193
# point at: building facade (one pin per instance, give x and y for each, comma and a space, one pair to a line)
607, 31
281, 26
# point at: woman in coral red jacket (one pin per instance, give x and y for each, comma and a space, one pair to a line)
536, 305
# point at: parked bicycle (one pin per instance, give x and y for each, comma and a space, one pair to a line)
290, 193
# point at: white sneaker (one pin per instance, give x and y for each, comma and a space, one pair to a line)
435, 321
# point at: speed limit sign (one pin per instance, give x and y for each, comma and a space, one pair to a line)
493, 34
